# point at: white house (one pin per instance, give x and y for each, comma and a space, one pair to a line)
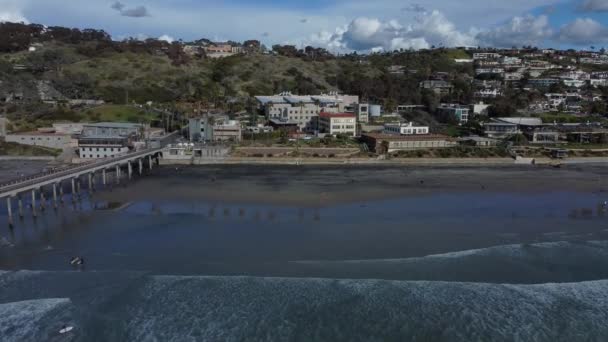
405, 129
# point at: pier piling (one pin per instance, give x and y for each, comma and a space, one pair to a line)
10, 211
34, 202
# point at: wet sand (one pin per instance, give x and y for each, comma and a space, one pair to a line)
328, 185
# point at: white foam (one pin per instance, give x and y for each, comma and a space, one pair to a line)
19, 320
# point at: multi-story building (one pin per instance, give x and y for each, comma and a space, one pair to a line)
227, 131
543, 82
304, 109
438, 86
338, 123
99, 147
362, 112
405, 129
596, 61
486, 55
113, 129
510, 60
109, 139
488, 93
482, 71
214, 128
461, 113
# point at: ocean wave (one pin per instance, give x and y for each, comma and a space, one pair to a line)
32, 320
516, 263
279, 309
213, 308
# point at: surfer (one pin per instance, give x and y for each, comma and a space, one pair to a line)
77, 261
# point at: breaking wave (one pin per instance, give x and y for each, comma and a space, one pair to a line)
519, 263
137, 307
33, 320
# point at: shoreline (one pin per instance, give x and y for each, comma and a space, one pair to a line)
378, 162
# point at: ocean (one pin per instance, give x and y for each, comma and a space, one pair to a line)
306, 254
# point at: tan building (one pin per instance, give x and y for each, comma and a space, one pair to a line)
227, 131
387, 143
338, 123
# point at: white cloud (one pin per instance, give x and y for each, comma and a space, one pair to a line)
594, 6
583, 31
166, 38
372, 34
11, 11
518, 31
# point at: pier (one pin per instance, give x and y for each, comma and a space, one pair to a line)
53, 182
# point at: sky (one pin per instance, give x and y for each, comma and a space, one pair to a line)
338, 25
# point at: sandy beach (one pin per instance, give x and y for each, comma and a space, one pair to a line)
319, 185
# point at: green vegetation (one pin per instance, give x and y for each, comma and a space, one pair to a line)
454, 152
118, 113
14, 149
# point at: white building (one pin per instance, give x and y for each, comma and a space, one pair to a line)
362, 112
510, 60
338, 123
43, 139
486, 55
405, 129
304, 109
488, 93
102, 147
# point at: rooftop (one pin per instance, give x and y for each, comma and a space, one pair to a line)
337, 115
38, 133
392, 137
114, 125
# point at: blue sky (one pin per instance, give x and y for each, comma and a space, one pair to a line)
340, 25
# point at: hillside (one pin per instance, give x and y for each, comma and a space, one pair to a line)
89, 65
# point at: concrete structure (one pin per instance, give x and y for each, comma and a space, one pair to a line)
478, 141
440, 87
405, 129
486, 55
259, 129
202, 129
388, 143
362, 112
375, 111
543, 82
480, 108
304, 109
73, 128
500, 129
338, 123
102, 147
199, 129
461, 113
43, 139
113, 129
3, 124
55, 179
227, 131
286, 125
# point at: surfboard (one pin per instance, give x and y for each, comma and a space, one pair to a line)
66, 330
